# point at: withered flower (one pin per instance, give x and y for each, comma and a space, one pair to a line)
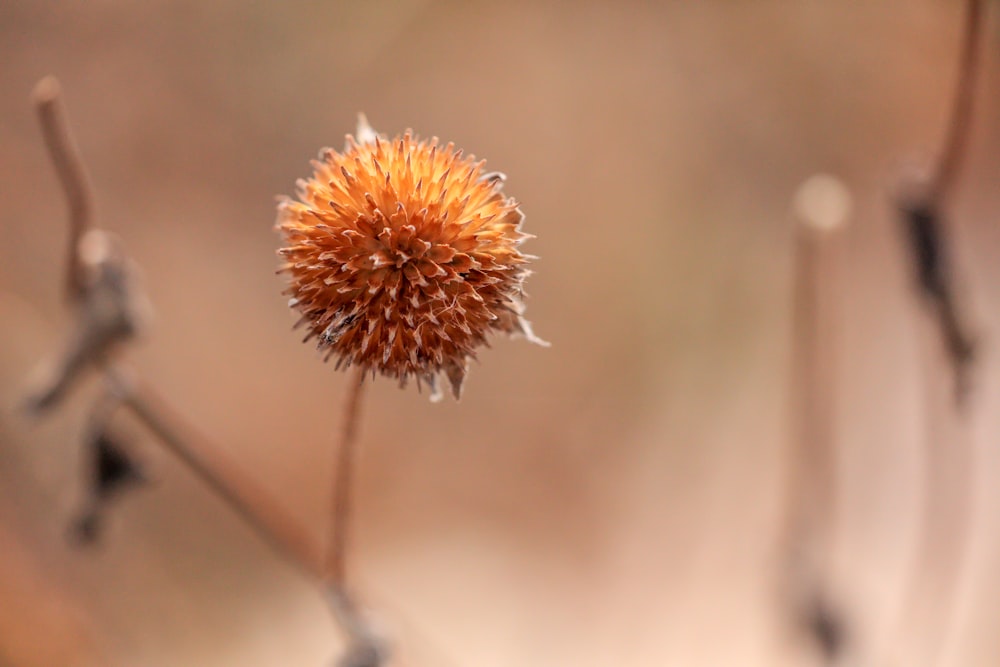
403, 257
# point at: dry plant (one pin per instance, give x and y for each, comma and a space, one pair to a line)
402, 258
921, 206
944, 537
946, 505
821, 208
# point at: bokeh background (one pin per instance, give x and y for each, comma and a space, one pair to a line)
613, 500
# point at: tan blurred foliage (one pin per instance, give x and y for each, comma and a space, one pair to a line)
613, 500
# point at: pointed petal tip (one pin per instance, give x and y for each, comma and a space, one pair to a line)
365, 134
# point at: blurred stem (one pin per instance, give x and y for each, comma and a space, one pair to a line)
814, 375
335, 567
249, 500
68, 163
811, 500
960, 124
947, 486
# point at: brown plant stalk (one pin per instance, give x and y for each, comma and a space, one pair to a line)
248, 499
335, 565
821, 207
946, 506
959, 127
72, 175
922, 209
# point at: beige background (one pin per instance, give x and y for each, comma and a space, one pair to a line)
613, 500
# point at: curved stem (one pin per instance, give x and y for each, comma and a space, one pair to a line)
956, 140
944, 532
72, 175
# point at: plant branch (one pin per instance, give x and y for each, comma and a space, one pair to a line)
225, 478
960, 124
106, 317
66, 158
922, 211
821, 206
947, 502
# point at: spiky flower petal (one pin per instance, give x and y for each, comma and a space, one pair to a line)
402, 257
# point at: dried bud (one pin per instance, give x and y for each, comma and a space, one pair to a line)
111, 471
111, 310
403, 257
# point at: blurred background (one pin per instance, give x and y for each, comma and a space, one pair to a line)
613, 500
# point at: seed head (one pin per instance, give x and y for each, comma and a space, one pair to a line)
402, 257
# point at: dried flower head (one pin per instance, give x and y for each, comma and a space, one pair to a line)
402, 257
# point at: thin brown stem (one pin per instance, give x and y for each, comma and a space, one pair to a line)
225, 478
944, 530
72, 175
960, 124
923, 211
822, 204
335, 567
813, 374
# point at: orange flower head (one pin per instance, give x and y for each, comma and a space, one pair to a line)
403, 257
